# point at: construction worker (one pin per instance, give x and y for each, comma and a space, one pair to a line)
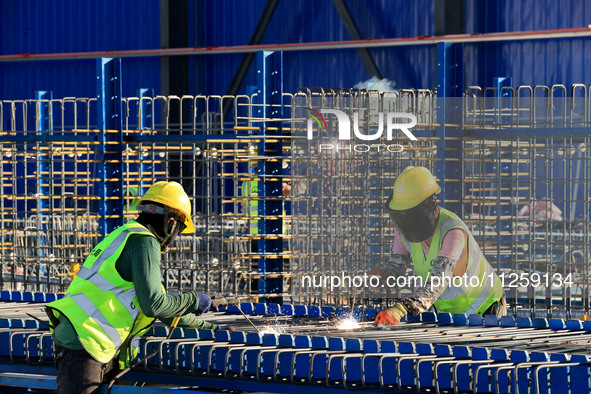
541, 210
250, 190
250, 205
440, 246
117, 294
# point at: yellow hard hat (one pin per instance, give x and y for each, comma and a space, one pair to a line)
173, 196
413, 186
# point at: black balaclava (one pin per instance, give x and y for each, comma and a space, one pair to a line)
416, 224
158, 225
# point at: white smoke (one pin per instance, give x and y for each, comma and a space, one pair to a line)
369, 119
374, 83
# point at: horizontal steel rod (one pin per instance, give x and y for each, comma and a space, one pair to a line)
326, 45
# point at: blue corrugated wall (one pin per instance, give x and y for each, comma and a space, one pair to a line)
542, 62
55, 26
227, 23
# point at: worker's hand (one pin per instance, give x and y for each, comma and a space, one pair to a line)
204, 303
391, 316
218, 302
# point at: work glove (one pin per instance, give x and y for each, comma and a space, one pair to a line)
391, 316
218, 302
204, 303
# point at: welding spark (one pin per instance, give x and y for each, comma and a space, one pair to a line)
273, 328
269, 330
347, 324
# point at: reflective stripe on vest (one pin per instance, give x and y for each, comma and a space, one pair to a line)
462, 298
99, 303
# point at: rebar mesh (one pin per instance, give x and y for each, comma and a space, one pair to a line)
524, 147
339, 223
526, 193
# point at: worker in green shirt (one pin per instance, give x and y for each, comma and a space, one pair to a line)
117, 294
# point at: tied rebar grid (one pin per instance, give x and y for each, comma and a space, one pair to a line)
470, 355
526, 193
334, 217
49, 209
339, 223
555, 339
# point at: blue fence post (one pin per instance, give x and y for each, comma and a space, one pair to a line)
505, 169
43, 108
270, 100
42, 124
44, 207
450, 83
145, 123
499, 83
109, 157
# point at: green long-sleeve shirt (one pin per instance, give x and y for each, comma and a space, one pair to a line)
140, 262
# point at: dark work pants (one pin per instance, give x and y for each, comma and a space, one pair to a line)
78, 372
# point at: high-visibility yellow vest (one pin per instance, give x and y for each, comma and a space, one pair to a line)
102, 306
251, 205
463, 298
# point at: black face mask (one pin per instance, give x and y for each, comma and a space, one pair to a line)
172, 232
158, 224
416, 224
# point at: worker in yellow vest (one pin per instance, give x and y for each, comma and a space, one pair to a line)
250, 204
456, 277
117, 294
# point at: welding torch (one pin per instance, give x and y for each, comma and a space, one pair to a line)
237, 305
248, 320
173, 325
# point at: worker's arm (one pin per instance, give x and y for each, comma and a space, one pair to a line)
398, 261
140, 262
397, 265
451, 261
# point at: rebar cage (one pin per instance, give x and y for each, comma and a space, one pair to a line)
524, 164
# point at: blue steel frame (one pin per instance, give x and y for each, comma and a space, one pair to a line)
450, 87
145, 122
270, 100
43, 126
109, 158
499, 83
43, 101
503, 210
